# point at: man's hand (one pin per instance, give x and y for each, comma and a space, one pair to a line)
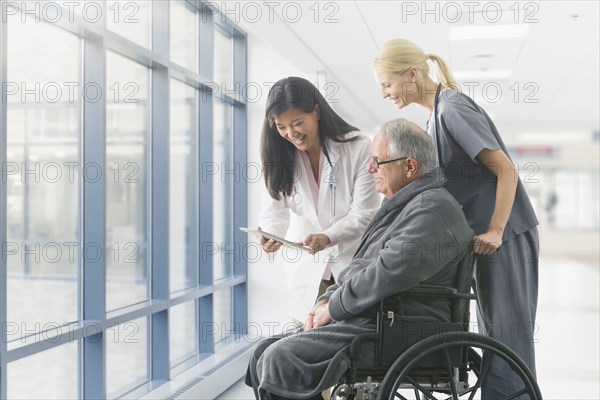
318, 316
487, 243
317, 242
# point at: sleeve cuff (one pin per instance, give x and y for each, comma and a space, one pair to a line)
332, 237
336, 311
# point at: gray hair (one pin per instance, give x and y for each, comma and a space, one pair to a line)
407, 139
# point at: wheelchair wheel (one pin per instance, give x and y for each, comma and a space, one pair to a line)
408, 379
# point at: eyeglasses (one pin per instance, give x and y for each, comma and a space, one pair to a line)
379, 163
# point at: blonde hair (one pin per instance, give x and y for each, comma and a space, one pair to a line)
398, 55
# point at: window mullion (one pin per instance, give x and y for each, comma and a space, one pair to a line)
159, 203
205, 152
240, 190
3, 215
93, 364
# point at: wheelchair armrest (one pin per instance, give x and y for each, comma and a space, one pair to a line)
432, 290
355, 346
424, 290
359, 341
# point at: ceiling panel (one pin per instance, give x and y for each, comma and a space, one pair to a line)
554, 68
484, 55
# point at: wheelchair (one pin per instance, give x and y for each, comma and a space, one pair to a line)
429, 360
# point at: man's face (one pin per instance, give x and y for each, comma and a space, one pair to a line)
390, 177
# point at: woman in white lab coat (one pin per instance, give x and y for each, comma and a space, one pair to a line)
319, 192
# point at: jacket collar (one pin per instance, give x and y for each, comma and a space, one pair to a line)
431, 180
334, 150
391, 207
326, 177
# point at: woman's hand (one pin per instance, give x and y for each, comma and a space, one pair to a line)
318, 316
487, 243
268, 245
317, 242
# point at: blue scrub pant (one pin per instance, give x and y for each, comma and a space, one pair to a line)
506, 284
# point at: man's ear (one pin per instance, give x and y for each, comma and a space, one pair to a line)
412, 167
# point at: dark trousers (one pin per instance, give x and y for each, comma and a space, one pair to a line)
506, 284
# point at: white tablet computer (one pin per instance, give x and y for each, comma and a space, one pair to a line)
268, 235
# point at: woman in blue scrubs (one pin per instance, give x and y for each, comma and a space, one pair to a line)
482, 177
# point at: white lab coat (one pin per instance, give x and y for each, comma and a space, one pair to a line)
294, 217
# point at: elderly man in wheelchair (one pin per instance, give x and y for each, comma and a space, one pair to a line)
395, 325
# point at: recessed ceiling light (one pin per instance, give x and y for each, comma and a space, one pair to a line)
479, 32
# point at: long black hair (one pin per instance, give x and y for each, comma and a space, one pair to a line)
278, 154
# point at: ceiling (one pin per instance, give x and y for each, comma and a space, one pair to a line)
551, 83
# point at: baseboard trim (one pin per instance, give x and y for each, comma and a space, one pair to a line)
208, 379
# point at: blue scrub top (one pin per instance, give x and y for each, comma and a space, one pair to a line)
462, 131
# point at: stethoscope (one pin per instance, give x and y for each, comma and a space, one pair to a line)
331, 181
332, 188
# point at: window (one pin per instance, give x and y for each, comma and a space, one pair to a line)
569, 200
224, 61
42, 170
130, 19
127, 125
183, 182
119, 170
184, 35
58, 382
226, 171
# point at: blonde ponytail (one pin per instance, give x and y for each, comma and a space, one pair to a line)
441, 72
398, 55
